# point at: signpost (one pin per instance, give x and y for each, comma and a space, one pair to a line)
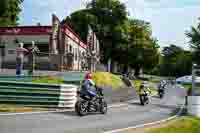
55, 34
194, 70
194, 100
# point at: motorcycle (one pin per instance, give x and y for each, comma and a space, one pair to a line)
84, 105
144, 98
161, 89
161, 93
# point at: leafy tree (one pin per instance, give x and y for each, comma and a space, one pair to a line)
79, 22
111, 15
127, 41
175, 61
9, 12
194, 36
142, 48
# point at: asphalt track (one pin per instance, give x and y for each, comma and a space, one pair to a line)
128, 114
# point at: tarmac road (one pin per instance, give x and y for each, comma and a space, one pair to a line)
129, 114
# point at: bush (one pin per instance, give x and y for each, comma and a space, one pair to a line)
107, 79
48, 80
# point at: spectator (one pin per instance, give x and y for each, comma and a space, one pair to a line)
189, 93
31, 57
19, 58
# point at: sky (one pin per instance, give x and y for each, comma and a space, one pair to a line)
170, 19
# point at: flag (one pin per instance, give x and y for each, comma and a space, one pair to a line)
55, 34
90, 38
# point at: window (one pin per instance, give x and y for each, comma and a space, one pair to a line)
11, 51
76, 54
70, 48
2, 51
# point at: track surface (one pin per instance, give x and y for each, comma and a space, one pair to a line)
129, 114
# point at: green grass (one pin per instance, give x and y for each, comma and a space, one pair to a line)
13, 109
182, 125
107, 79
48, 80
187, 86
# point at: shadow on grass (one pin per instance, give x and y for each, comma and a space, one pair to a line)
136, 103
166, 106
156, 96
175, 109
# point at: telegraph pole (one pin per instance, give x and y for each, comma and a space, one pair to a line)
193, 78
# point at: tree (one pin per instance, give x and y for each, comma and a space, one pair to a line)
9, 12
175, 61
106, 18
194, 36
126, 41
142, 47
111, 15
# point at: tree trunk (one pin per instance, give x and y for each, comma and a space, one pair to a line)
125, 69
109, 64
137, 71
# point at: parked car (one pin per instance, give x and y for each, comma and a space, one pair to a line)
187, 79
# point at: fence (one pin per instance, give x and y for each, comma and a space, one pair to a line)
39, 95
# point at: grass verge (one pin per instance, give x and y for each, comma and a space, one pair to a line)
107, 79
187, 86
48, 80
182, 125
18, 109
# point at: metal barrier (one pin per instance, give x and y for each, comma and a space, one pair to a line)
194, 105
39, 95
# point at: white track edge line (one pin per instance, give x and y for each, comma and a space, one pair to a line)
148, 124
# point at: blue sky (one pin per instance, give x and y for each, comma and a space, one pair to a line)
169, 18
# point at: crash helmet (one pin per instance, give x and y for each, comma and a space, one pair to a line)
88, 76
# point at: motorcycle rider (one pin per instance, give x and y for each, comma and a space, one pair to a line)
161, 86
88, 87
144, 89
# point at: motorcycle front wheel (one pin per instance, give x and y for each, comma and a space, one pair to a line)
103, 107
81, 108
141, 99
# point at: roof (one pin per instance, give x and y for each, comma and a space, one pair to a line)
40, 30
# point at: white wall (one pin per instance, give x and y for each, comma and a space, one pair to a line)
76, 50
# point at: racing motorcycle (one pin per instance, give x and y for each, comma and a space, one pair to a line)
161, 89
144, 98
161, 93
85, 105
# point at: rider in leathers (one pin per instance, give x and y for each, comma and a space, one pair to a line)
88, 87
144, 90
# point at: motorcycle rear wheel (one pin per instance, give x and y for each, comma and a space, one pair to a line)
81, 108
142, 100
103, 107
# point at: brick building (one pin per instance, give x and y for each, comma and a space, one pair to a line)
72, 47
